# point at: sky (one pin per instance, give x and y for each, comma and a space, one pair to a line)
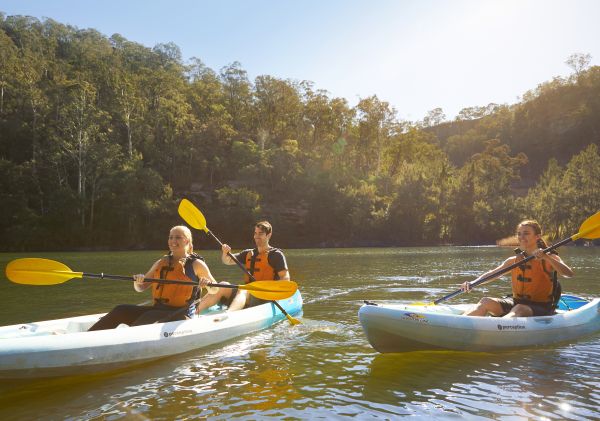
416, 55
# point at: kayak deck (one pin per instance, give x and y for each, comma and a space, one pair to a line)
72, 325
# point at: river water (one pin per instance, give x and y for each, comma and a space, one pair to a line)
323, 368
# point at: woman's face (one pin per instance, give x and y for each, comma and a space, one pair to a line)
527, 237
177, 240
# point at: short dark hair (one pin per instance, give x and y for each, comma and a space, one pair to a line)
264, 226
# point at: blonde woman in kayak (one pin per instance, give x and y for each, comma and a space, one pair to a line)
533, 284
171, 301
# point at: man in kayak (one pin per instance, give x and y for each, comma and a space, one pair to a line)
534, 284
171, 301
263, 262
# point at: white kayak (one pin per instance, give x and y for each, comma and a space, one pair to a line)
64, 347
402, 328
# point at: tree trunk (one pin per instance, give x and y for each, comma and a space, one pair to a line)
129, 136
92, 203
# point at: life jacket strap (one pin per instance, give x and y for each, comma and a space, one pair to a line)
188, 268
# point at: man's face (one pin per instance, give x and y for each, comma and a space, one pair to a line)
260, 237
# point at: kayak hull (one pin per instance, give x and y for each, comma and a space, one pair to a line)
404, 328
64, 347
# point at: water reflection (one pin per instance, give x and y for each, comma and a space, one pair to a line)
323, 368
483, 384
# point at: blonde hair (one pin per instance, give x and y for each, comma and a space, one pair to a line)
187, 234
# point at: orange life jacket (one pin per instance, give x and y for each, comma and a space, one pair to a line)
171, 294
258, 265
533, 281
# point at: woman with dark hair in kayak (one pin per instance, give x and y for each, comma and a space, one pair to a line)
171, 301
534, 284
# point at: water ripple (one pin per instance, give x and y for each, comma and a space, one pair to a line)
324, 368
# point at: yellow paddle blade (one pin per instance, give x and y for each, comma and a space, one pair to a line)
590, 228
271, 290
292, 320
35, 271
192, 215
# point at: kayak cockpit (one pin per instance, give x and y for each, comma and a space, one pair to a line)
76, 325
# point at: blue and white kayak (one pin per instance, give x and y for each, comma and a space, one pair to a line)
402, 328
64, 347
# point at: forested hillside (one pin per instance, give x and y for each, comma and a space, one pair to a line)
100, 137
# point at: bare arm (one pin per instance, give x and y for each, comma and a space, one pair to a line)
225, 258
138, 280
556, 262
466, 286
204, 276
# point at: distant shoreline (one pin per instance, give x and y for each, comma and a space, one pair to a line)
499, 243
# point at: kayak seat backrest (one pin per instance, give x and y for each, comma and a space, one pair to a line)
571, 302
556, 291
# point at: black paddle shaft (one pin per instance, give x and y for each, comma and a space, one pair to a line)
160, 281
130, 278
506, 269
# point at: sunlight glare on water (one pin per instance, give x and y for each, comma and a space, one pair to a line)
324, 367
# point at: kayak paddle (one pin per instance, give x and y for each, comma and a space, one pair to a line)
590, 229
194, 218
36, 271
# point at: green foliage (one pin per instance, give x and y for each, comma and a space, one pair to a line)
564, 198
101, 137
240, 206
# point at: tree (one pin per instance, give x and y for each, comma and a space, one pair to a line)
493, 171
434, 117
420, 173
278, 110
548, 202
579, 62
474, 113
286, 163
130, 104
376, 124
324, 128
238, 97
81, 128
8, 65
241, 205
110, 133
18, 222
167, 146
582, 185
